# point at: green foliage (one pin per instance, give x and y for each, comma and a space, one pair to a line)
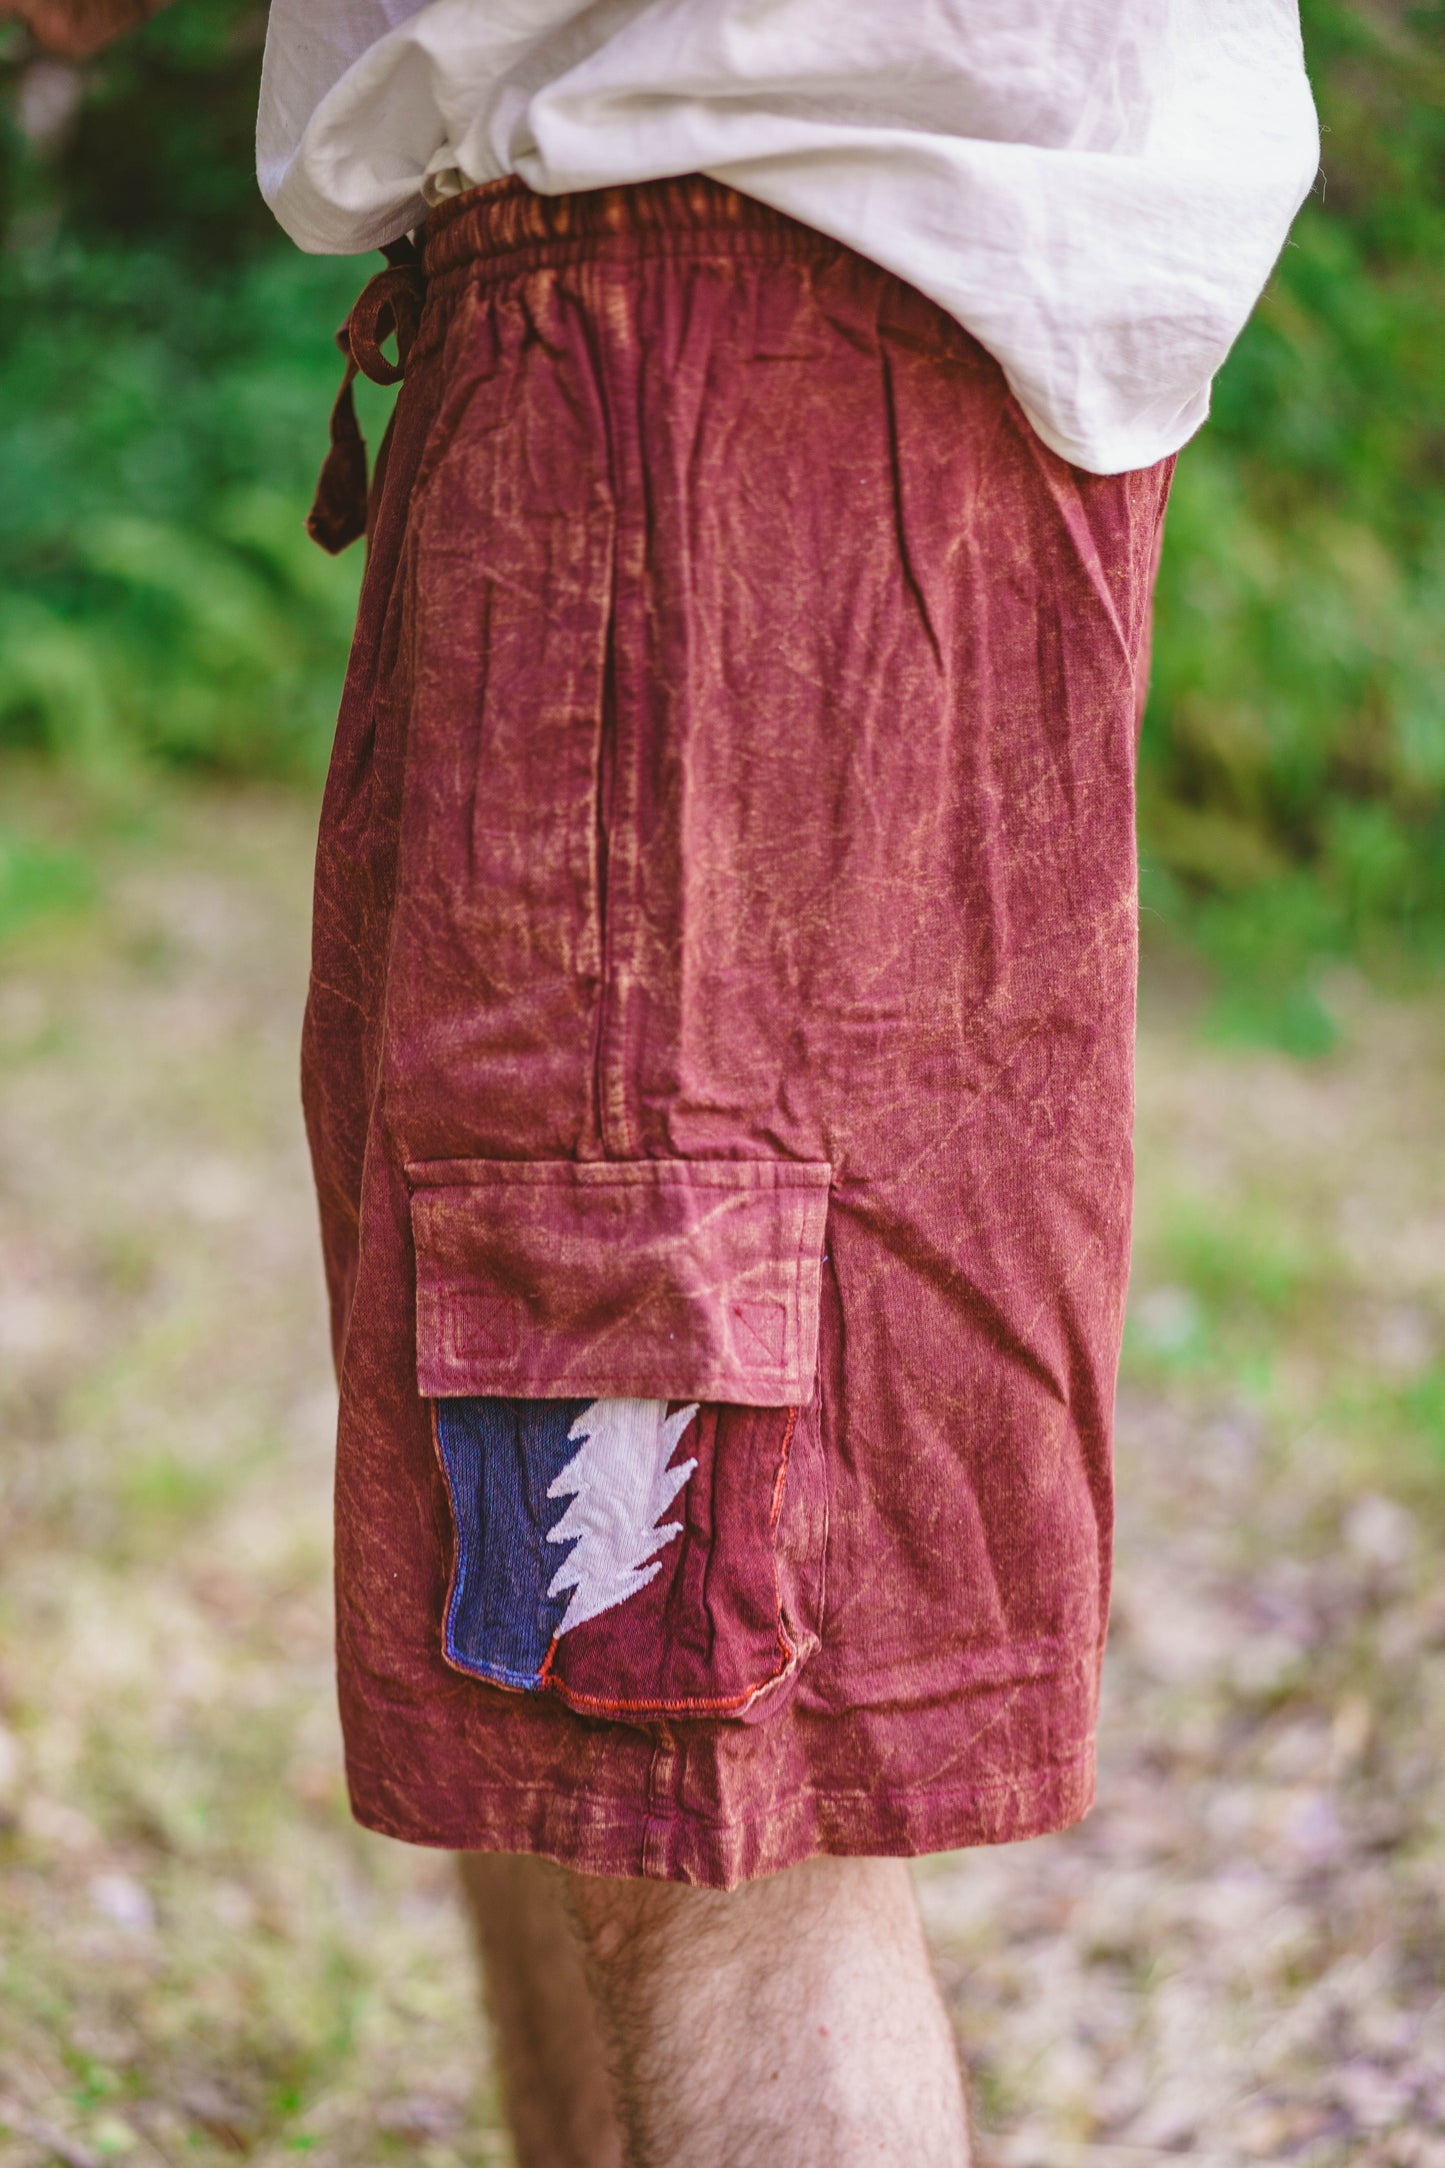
1244, 1298
1229, 1285
160, 146
165, 372
38, 877
1294, 752
160, 597
166, 369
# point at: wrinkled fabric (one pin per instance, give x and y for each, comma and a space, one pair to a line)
732, 807
1096, 189
697, 1278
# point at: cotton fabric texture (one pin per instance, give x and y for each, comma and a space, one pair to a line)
718, 1057
1096, 189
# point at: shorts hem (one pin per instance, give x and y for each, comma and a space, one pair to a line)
631, 1844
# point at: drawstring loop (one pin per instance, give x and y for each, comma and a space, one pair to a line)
388, 306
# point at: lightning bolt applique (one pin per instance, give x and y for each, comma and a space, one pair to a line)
620, 1485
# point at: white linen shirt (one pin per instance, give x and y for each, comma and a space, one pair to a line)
1096, 189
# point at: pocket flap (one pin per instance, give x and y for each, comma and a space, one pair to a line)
661, 1279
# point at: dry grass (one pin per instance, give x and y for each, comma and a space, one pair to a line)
1238, 1957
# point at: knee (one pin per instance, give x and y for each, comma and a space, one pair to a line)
626, 1928
633, 1928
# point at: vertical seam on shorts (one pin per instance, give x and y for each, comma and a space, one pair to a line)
603, 817
825, 1471
618, 373
657, 1825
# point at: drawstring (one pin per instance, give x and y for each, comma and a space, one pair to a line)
389, 304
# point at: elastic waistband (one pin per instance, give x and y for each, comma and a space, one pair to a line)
505, 220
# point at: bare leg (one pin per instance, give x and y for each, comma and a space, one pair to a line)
554, 2075
794, 2022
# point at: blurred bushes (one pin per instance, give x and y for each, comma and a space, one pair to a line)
156, 436
165, 374
1293, 772
166, 370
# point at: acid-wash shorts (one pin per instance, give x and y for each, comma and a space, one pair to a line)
718, 1055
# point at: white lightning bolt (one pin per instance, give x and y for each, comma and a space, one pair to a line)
620, 1485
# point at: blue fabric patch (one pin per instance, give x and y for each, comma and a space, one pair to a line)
500, 1456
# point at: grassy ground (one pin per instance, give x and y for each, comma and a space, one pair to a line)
1239, 1956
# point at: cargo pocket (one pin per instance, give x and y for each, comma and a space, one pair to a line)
620, 1359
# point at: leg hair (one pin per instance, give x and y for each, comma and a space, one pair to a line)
549, 2043
794, 2023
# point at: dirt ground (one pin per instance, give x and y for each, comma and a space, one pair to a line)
1238, 1957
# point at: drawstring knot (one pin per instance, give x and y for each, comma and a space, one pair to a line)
388, 306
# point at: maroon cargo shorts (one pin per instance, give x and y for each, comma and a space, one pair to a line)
718, 1057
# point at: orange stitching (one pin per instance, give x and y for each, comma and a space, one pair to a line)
447, 1657
789, 1653
574, 1700
777, 1505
